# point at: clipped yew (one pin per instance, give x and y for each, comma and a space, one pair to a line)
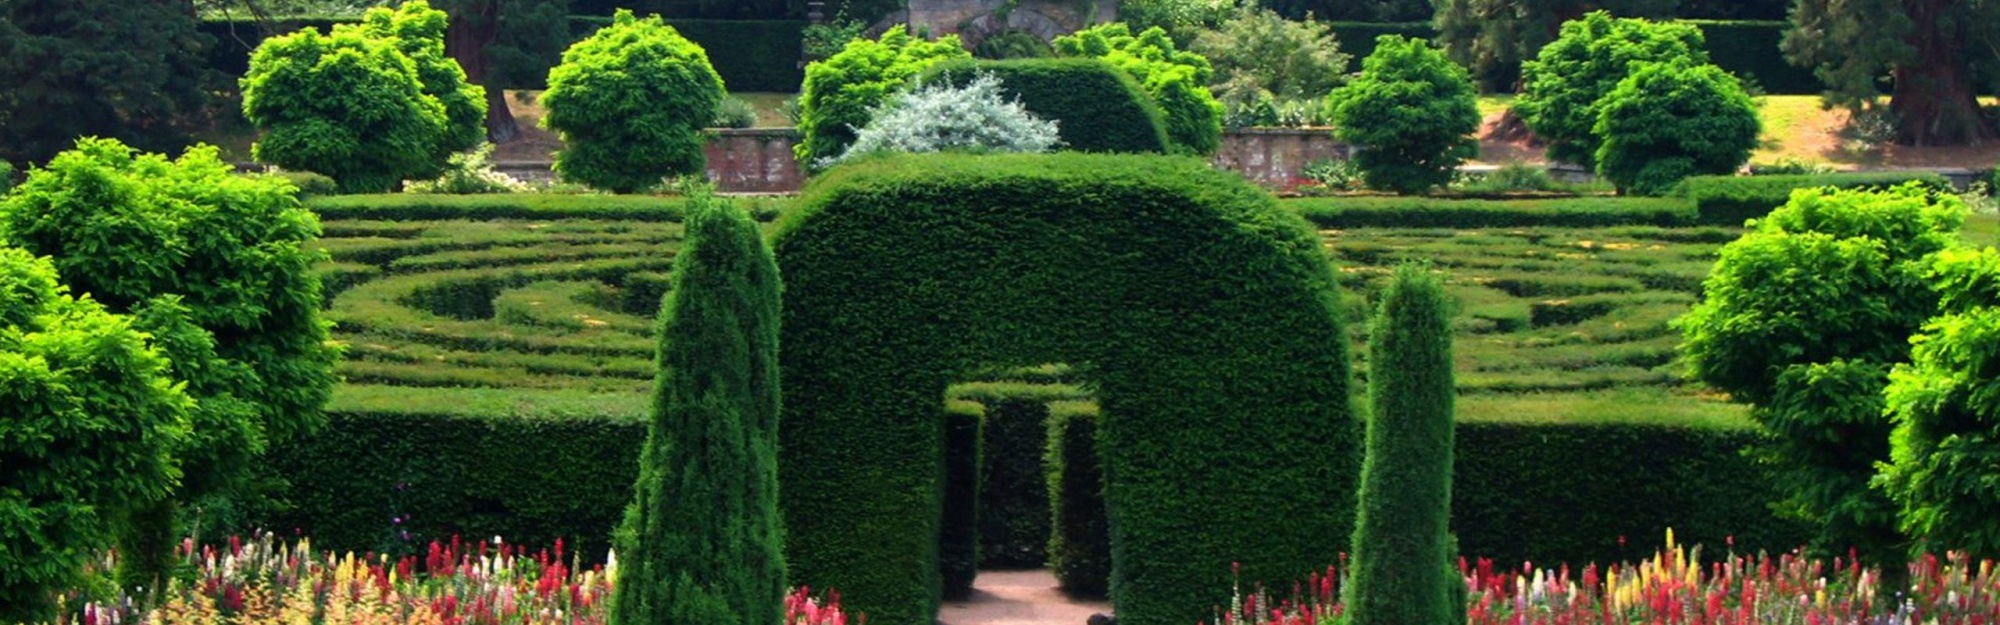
1402, 539
701, 540
631, 102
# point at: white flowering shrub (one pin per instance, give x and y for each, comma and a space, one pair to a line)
469, 173
939, 116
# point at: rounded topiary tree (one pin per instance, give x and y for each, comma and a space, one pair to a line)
217, 267
1411, 111
1176, 80
840, 94
89, 421
418, 31
701, 541
1096, 107
345, 105
1402, 573
1562, 85
631, 102
1206, 314
1668, 121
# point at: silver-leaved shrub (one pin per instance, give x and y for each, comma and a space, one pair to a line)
939, 117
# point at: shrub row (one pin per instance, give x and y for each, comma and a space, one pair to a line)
1730, 200
750, 55
416, 206
536, 466
1427, 212
1746, 48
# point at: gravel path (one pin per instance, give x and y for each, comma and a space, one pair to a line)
1019, 598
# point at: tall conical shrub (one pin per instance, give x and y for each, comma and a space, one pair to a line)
701, 542
1401, 539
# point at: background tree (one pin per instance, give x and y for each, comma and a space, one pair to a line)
347, 105
1927, 49
88, 426
130, 69
1176, 79
1259, 54
701, 541
1563, 86
503, 42
1352, 11
841, 92
1802, 318
418, 31
631, 102
1668, 121
217, 267
1411, 111
1945, 450
1402, 539
1495, 37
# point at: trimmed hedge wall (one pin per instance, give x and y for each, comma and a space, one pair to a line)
750, 55
1428, 212
1730, 200
1195, 295
958, 539
1097, 108
418, 206
1080, 537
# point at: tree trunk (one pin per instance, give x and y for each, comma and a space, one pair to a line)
1934, 98
466, 40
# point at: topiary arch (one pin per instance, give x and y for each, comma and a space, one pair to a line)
1206, 316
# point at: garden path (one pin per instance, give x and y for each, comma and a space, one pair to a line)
1019, 598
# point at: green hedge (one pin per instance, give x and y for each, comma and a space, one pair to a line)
416, 206
1729, 200
1427, 212
1749, 49
1097, 108
958, 539
751, 56
1080, 537
1195, 295
1014, 494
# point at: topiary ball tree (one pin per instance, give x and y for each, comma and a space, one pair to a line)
1206, 315
841, 93
218, 268
701, 541
1402, 541
1803, 318
1561, 86
1411, 111
347, 105
418, 31
89, 421
631, 102
1668, 121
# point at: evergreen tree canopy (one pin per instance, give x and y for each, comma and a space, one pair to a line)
1565, 84
129, 69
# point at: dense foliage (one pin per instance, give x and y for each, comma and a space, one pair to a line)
1802, 319
841, 92
1096, 107
1937, 56
89, 426
942, 117
1403, 562
127, 69
631, 103
880, 263
1260, 53
1412, 112
1176, 79
701, 540
1729, 200
1495, 38
1564, 84
418, 31
1668, 121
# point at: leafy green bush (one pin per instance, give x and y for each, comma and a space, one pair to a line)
630, 103
1176, 80
1267, 54
1172, 223
469, 173
1802, 319
841, 92
1562, 86
1412, 113
701, 538
1515, 177
1096, 108
1668, 121
308, 183
90, 426
1401, 572
1729, 200
941, 117
354, 106
1790, 167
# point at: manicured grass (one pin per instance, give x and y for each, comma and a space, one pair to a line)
770, 108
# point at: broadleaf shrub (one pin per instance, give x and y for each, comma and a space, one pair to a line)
631, 103
1668, 121
1562, 85
1267, 54
1176, 79
841, 92
1096, 107
1412, 112
1730, 200
941, 117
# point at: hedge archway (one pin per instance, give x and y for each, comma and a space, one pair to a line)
1206, 316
